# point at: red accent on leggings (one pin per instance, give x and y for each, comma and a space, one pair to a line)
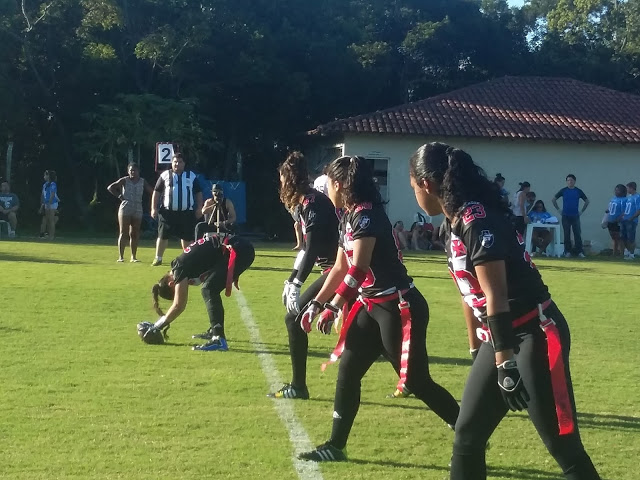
405, 315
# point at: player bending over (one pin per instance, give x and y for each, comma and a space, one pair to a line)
215, 262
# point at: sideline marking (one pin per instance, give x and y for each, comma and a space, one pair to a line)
297, 434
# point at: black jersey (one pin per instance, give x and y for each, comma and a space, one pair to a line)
198, 260
318, 215
481, 236
386, 271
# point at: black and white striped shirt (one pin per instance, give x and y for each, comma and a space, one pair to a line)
178, 190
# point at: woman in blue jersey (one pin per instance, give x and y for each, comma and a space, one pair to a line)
49, 205
616, 208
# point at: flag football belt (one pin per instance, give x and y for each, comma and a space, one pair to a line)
564, 411
230, 268
369, 302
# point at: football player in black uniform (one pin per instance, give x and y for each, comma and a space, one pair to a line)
215, 262
389, 316
319, 222
523, 362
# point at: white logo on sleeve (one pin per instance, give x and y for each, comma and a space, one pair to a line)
364, 222
486, 239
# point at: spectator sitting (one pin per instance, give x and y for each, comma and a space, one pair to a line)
616, 212
9, 205
540, 237
221, 213
401, 234
421, 236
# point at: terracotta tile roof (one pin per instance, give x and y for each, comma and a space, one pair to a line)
538, 108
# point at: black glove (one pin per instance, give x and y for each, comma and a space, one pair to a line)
511, 386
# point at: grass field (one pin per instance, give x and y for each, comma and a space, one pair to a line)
81, 397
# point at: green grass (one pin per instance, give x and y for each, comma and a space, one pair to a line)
81, 397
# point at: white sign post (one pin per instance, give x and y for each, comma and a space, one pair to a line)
164, 154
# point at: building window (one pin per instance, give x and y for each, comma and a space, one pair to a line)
380, 168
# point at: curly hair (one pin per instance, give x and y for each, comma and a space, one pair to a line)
296, 179
163, 290
358, 183
459, 179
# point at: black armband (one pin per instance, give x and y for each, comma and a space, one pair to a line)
294, 274
501, 329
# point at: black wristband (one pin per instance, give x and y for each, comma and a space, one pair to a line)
501, 329
294, 274
316, 304
331, 307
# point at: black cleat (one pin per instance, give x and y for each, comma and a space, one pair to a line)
325, 453
289, 391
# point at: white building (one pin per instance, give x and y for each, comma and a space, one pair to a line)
531, 129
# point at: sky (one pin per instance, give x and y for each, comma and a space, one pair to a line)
515, 3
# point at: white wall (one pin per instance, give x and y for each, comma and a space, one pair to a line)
598, 168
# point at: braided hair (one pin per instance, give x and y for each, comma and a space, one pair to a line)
163, 290
460, 180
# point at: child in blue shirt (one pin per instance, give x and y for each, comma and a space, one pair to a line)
629, 223
616, 212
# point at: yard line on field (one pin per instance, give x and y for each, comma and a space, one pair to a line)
297, 434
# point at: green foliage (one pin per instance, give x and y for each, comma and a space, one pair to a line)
83, 397
260, 73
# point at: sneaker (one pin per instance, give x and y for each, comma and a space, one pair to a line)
216, 343
43, 235
208, 335
156, 262
582, 255
404, 393
120, 260
12, 234
289, 391
134, 260
324, 453
567, 255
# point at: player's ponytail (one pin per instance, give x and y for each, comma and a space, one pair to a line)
161, 289
357, 180
457, 176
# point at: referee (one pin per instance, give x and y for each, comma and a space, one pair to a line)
180, 207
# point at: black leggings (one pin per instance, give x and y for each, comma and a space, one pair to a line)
298, 340
483, 408
379, 332
217, 282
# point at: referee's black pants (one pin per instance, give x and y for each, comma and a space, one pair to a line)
483, 408
379, 332
298, 340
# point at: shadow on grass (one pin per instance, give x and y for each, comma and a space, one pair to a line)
608, 422
284, 255
5, 328
271, 269
9, 257
510, 473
